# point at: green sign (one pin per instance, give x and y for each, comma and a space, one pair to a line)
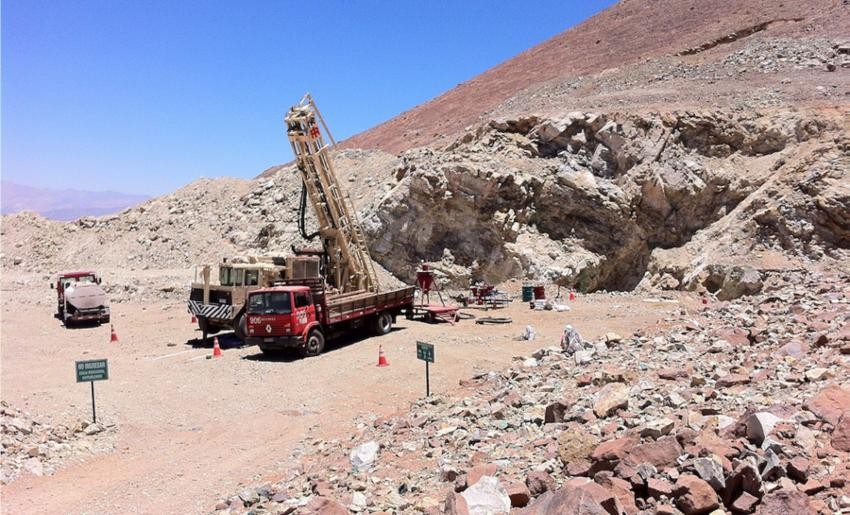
425, 352
92, 370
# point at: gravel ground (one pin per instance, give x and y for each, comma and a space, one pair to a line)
189, 428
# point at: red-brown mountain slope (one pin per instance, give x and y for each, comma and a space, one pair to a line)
628, 32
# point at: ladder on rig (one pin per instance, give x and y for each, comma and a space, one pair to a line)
342, 237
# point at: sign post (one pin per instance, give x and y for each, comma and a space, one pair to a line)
92, 370
425, 352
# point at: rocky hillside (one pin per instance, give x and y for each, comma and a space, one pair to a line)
741, 407
605, 201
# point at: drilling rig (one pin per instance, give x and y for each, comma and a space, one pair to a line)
349, 266
328, 291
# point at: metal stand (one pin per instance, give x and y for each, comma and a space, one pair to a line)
93, 412
427, 381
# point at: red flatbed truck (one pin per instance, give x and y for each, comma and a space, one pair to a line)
302, 317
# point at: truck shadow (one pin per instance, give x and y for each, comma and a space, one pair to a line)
225, 341
335, 344
85, 324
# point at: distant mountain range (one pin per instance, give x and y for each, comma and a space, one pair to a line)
65, 204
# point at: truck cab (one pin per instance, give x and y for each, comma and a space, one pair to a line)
222, 306
284, 317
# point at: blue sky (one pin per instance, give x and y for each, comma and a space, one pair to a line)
146, 96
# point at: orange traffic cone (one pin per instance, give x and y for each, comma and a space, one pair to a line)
572, 296
194, 320
113, 337
382, 360
216, 348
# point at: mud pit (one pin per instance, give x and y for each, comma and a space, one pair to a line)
189, 428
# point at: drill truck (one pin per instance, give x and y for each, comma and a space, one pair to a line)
329, 291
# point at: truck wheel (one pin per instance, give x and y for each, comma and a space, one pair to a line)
315, 344
383, 323
241, 327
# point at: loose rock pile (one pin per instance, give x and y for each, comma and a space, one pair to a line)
741, 407
40, 449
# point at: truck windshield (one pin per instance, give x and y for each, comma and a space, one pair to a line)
269, 303
68, 281
224, 276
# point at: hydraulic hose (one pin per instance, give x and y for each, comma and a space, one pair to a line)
302, 214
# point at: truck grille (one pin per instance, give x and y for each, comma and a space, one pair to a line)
259, 322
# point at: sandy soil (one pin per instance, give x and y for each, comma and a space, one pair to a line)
190, 428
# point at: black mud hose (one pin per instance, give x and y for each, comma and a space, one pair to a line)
302, 214
315, 344
494, 320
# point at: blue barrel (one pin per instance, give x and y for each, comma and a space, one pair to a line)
527, 292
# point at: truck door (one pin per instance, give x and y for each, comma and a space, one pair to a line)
304, 312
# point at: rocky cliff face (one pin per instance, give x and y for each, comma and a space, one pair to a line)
591, 200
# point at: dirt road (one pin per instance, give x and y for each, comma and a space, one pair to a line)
191, 428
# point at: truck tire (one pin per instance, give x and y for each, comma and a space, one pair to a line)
315, 344
240, 327
383, 323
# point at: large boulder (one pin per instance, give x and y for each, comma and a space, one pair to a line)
487, 497
660, 453
363, 456
579, 496
740, 281
784, 502
610, 398
694, 496
575, 444
841, 434
830, 403
324, 506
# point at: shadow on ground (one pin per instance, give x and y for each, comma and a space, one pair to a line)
225, 341
330, 346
